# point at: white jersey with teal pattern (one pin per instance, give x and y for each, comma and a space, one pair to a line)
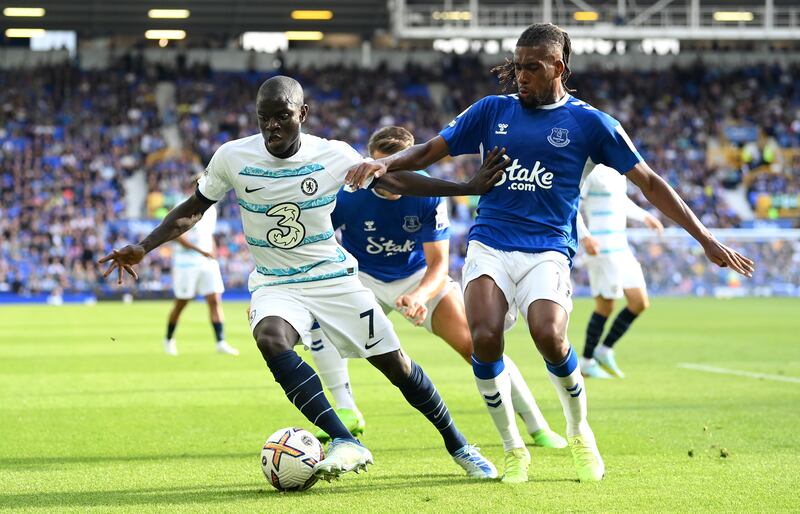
605, 202
286, 207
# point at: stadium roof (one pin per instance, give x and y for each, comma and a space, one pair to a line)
121, 17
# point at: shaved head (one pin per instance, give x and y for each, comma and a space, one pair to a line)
281, 109
281, 89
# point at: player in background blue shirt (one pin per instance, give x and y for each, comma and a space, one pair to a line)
402, 247
520, 249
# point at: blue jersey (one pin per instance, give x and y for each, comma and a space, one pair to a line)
551, 150
386, 236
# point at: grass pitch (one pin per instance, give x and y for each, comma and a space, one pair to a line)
96, 418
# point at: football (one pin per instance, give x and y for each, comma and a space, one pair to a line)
288, 459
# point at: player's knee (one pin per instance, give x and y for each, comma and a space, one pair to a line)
484, 336
271, 340
550, 339
639, 305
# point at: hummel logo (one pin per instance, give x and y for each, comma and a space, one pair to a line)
367, 346
248, 190
502, 128
369, 226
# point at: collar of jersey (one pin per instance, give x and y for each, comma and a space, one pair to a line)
557, 104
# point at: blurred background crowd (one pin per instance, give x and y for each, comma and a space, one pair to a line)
89, 160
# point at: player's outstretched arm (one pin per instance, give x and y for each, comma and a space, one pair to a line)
660, 194
417, 157
415, 184
178, 220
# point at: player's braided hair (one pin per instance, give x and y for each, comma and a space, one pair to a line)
536, 35
390, 140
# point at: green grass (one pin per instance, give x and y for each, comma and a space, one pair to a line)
93, 417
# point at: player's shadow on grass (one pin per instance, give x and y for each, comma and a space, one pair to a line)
19, 463
220, 494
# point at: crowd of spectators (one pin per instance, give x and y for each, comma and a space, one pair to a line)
69, 139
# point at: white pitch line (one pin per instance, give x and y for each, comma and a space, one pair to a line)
724, 371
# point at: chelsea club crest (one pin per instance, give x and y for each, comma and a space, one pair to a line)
411, 223
309, 186
559, 137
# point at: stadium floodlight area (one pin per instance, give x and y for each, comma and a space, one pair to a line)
621, 20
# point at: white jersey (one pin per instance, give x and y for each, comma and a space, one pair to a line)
604, 196
202, 236
286, 207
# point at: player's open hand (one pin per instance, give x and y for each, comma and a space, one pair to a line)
412, 308
654, 223
591, 245
123, 259
490, 172
360, 175
724, 256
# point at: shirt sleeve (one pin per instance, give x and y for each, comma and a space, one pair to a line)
633, 211
436, 222
215, 181
347, 158
612, 145
465, 133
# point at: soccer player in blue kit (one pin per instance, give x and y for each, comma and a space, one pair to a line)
402, 247
521, 246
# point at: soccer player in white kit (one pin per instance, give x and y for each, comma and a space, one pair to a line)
286, 183
613, 270
196, 272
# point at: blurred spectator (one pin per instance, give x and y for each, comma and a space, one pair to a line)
70, 139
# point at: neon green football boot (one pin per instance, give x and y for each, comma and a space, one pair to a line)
546, 438
518, 460
588, 463
351, 418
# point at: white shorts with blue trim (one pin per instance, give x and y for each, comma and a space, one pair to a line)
611, 274
347, 312
523, 277
201, 280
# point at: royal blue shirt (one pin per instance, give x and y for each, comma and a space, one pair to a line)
551, 149
386, 236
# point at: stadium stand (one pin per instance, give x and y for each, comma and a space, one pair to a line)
90, 156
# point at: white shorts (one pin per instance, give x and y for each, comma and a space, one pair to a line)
201, 280
610, 275
387, 293
523, 277
347, 312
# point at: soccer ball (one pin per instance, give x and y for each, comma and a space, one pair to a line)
288, 459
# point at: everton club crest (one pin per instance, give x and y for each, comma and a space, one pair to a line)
558, 137
411, 223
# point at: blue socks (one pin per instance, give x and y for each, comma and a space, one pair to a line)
218, 330
621, 325
420, 392
304, 390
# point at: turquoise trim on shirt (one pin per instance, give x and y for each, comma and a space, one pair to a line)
614, 250
287, 272
252, 241
327, 276
597, 193
595, 213
606, 232
252, 171
308, 204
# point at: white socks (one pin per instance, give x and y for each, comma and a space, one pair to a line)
566, 377
332, 370
522, 399
494, 384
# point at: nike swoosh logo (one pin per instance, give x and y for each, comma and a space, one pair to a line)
248, 190
367, 346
